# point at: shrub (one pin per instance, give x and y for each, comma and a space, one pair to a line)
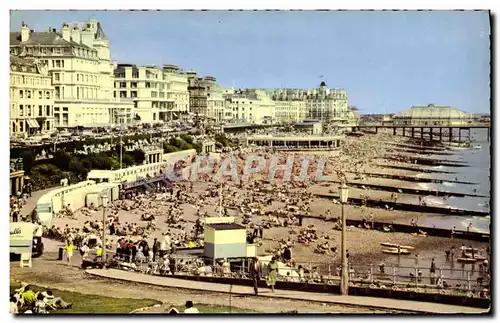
167, 148
187, 138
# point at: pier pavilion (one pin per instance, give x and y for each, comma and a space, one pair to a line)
433, 122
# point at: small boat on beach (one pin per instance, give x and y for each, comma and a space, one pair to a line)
476, 146
395, 245
394, 251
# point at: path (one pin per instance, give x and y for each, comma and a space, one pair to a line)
422, 307
31, 202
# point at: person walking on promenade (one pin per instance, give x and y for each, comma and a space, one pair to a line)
273, 273
255, 274
432, 271
68, 248
156, 246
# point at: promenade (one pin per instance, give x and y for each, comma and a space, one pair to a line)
371, 302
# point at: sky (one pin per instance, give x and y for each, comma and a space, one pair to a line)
387, 61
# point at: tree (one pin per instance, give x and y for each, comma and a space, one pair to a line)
100, 161
28, 160
78, 169
128, 160
139, 156
62, 160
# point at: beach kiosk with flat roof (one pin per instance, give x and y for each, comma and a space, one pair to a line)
226, 239
21, 241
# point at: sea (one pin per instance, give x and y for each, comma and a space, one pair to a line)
478, 172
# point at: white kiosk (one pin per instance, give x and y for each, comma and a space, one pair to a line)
21, 241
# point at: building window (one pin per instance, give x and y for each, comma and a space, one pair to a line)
123, 94
21, 110
28, 94
135, 104
40, 110
47, 95
148, 85
133, 94
153, 94
135, 75
133, 85
47, 109
123, 84
21, 94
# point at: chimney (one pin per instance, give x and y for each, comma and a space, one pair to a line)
75, 35
87, 37
25, 33
66, 32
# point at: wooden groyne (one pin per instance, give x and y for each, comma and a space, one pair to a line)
415, 169
406, 228
414, 191
419, 147
413, 178
435, 232
421, 152
426, 161
405, 206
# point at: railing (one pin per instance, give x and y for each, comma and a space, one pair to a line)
444, 281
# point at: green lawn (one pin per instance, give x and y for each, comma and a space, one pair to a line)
92, 304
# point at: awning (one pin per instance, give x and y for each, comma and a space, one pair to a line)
32, 123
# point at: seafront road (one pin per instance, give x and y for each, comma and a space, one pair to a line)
371, 302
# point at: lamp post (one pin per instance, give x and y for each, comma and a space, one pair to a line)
104, 199
344, 283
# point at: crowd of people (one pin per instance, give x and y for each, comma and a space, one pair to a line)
25, 300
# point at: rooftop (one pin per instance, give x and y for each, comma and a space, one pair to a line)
226, 226
431, 112
51, 38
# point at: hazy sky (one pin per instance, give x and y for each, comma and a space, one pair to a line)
387, 61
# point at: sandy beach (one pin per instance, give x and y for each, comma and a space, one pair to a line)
363, 244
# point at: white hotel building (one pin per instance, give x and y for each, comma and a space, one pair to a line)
31, 99
158, 94
79, 62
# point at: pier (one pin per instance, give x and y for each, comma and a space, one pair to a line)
432, 132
